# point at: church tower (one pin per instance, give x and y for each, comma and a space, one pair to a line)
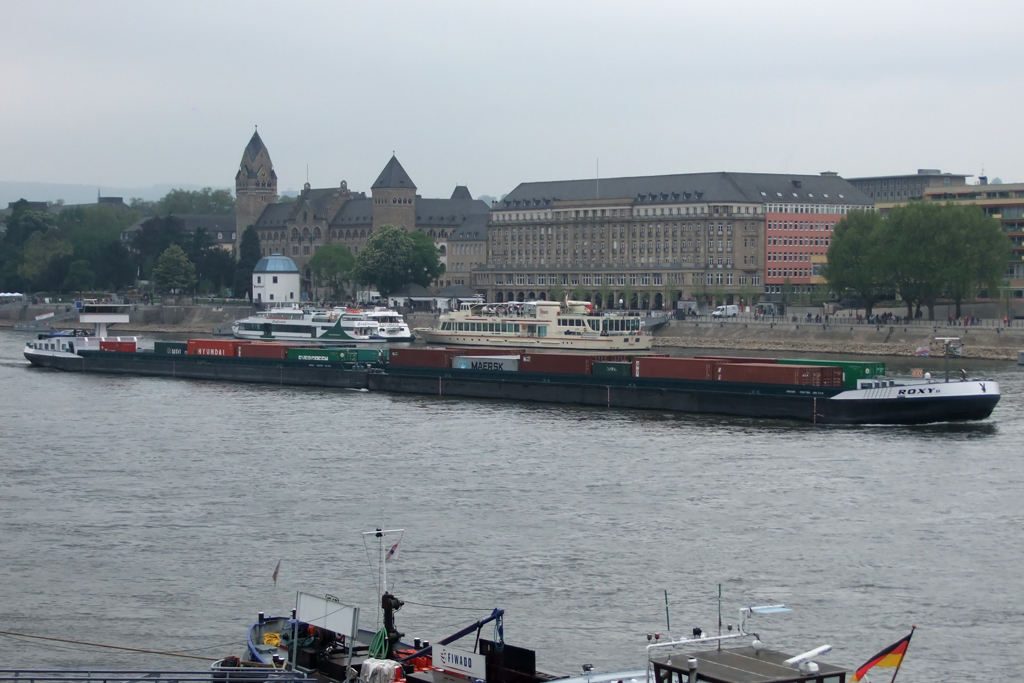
255, 186
394, 197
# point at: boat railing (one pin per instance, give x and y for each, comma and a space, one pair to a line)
211, 675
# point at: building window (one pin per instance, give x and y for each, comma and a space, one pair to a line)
274, 280
259, 279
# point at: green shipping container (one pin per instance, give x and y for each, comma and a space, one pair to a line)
853, 370
602, 369
166, 348
317, 355
367, 355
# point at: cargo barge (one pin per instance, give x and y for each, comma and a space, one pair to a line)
827, 392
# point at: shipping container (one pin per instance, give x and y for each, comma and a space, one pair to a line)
420, 358
487, 363
557, 363
852, 370
265, 350
739, 359
122, 346
214, 347
674, 368
602, 369
317, 355
168, 348
367, 355
775, 373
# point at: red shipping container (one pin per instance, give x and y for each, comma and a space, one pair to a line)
673, 368
263, 350
739, 359
558, 363
765, 373
421, 358
122, 346
214, 347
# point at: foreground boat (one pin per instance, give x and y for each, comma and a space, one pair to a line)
569, 325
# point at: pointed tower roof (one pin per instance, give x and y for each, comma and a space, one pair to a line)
252, 150
394, 176
462, 192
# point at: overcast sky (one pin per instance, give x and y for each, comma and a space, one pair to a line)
492, 94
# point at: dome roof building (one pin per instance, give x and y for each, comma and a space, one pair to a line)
276, 281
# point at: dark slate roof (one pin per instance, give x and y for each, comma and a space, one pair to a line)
316, 201
447, 212
354, 212
252, 150
192, 222
411, 289
473, 229
275, 215
691, 187
275, 263
461, 192
394, 175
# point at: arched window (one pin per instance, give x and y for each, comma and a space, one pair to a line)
362, 233
305, 233
295, 234
441, 250
316, 233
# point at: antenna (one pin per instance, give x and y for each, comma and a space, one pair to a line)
719, 616
668, 623
598, 177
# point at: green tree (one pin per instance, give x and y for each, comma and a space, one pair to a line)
25, 222
982, 250
40, 249
248, 256
173, 270
385, 260
286, 199
606, 294
114, 267
919, 246
332, 268
89, 228
153, 238
579, 293
557, 292
206, 201
856, 259
142, 206
80, 276
425, 265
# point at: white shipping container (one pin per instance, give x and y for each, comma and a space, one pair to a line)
488, 363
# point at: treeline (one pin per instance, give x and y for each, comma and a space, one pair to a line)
80, 248
921, 252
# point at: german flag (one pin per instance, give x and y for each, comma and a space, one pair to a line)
891, 656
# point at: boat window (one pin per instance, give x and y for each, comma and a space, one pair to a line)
594, 324
516, 326
542, 330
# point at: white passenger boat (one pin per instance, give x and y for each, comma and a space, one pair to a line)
539, 324
376, 325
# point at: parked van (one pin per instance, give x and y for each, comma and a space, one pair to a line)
729, 311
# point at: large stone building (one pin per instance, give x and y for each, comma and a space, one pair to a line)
320, 216
659, 239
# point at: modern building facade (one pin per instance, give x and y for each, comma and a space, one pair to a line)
903, 188
799, 221
651, 240
320, 216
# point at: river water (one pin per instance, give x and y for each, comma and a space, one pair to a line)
151, 513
